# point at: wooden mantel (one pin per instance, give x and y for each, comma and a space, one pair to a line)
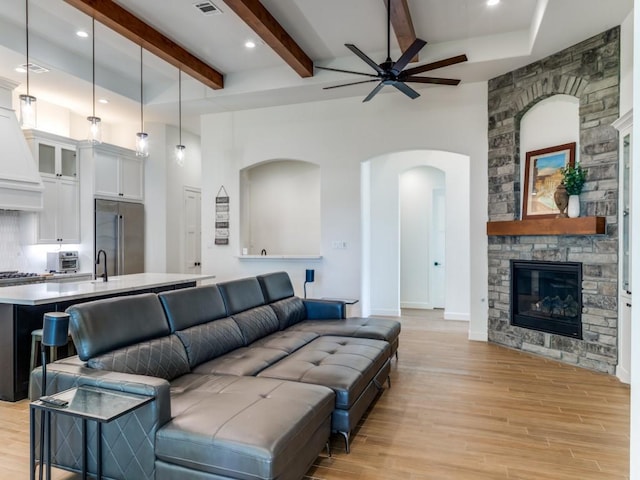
549, 226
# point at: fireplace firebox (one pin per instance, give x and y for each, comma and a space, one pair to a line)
547, 296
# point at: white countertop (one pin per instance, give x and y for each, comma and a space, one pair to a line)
51, 292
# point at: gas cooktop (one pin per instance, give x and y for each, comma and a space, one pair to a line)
14, 277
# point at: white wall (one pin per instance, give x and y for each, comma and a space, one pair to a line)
281, 208
626, 64
339, 135
164, 202
416, 198
384, 233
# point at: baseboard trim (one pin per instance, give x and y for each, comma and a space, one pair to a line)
623, 374
416, 305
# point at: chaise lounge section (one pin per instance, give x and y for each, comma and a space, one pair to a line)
242, 388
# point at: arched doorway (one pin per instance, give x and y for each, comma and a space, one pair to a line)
381, 230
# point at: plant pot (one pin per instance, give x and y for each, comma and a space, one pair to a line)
574, 206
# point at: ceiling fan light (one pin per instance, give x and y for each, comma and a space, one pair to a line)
28, 111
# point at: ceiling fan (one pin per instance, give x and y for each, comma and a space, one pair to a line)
393, 73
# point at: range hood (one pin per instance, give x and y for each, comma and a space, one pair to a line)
20, 183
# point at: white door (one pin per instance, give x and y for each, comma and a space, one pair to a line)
192, 230
437, 250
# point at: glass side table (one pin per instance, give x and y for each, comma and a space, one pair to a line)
88, 403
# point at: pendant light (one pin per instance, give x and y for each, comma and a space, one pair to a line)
27, 102
142, 139
180, 147
95, 123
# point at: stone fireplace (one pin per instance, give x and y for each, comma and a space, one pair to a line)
588, 71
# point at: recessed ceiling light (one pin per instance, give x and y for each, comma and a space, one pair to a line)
250, 44
491, 3
103, 100
82, 34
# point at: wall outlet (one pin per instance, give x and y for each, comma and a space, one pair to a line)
338, 244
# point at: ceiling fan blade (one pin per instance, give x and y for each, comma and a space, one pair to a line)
346, 71
435, 80
364, 58
409, 53
373, 92
348, 84
432, 66
406, 89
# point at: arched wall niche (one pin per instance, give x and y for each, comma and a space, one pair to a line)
280, 208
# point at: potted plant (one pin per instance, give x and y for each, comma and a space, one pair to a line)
573, 179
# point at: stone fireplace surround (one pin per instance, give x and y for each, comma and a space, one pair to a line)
590, 72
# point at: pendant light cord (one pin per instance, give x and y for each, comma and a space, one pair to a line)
27, 30
180, 106
93, 62
141, 94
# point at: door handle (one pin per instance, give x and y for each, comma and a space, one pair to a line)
437, 264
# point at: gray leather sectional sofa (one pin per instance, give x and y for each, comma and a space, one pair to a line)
248, 380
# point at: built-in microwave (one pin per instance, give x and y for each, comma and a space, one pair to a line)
63, 261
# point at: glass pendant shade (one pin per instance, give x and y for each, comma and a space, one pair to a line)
180, 154
142, 144
95, 130
28, 111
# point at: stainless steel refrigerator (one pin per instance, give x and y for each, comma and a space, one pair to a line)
120, 233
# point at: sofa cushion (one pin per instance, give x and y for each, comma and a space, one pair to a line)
346, 365
289, 311
192, 306
241, 295
246, 361
104, 325
240, 427
286, 340
210, 340
371, 327
256, 323
162, 357
275, 286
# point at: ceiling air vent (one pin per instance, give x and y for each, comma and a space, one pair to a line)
207, 8
34, 68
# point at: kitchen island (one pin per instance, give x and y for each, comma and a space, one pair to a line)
23, 306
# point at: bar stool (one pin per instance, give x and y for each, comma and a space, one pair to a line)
36, 340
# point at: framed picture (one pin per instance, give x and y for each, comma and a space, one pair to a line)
542, 176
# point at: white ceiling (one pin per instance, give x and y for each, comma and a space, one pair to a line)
496, 40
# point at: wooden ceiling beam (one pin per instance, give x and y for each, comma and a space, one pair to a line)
131, 27
254, 14
402, 24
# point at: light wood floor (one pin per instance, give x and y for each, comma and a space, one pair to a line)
457, 410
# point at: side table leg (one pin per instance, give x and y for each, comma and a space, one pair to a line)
99, 450
42, 439
32, 443
84, 449
48, 414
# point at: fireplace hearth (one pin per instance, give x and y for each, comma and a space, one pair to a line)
547, 296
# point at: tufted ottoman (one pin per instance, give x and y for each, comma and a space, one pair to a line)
355, 368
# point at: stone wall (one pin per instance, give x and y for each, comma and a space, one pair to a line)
589, 71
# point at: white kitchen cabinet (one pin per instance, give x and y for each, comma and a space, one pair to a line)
119, 173
55, 155
59, 221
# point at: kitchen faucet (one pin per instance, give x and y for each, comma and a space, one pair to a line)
104, 276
